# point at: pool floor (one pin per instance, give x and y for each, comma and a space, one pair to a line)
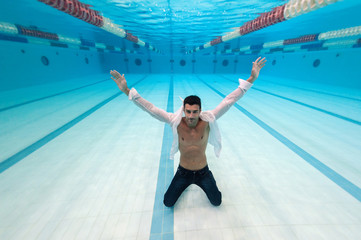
80, 161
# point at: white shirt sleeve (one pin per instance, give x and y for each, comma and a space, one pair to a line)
147, 106
232, 98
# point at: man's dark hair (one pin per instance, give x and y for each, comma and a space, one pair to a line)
191, 100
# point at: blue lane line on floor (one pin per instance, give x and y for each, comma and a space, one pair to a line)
345, 184
163, 217
315, 91
309, 106
312, 107
50, 96
17, 157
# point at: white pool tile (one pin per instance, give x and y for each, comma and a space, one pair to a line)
84, 230
109, 227
98, 179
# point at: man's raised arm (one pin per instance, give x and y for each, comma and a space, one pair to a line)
234, 96
134, 96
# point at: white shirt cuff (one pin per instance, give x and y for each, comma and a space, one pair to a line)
133, 94
245, 85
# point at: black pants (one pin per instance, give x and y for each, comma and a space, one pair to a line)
184, 177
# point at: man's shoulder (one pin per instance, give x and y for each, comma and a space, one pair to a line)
207, 116
182, 122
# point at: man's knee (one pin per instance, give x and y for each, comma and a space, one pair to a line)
217, 201
167, 201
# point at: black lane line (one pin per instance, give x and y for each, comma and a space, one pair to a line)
307, 105
50, 96
341, 181
17, 157
315, 91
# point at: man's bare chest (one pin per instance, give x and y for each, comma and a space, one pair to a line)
193, 136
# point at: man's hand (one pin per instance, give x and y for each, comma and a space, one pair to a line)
257, 65
120, 81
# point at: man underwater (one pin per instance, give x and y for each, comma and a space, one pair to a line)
191, 134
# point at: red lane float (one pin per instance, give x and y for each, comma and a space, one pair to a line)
265, 20
82, 11
36, 33
131, 38
303, 39
216, 41
279, 14
78, 10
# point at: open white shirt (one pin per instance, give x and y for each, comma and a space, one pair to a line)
173, 119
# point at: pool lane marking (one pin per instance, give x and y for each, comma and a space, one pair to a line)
17, 157
311, 90
309, 106
345, 184
163, 217
50, 96
312, 107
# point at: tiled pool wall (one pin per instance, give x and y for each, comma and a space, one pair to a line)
27, 64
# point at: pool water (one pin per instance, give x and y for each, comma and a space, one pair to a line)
80, 161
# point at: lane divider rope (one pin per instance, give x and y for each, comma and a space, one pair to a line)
83, 12
279, 14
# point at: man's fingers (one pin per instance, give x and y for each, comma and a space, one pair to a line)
115, 74
260, 63
263, 61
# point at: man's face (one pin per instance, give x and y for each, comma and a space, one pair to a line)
192, 114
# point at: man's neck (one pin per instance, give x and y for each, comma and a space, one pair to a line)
192, 126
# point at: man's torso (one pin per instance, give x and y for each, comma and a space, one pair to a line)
193, 144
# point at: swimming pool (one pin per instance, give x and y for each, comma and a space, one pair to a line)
79, 161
